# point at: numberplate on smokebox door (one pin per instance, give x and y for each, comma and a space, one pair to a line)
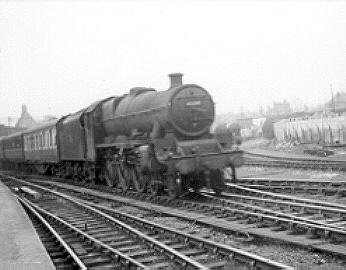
193, 103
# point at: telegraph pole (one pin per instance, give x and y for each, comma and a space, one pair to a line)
9, 119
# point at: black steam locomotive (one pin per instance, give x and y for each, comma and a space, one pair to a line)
144, 140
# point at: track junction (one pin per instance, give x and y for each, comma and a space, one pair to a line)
102, 236
253, 213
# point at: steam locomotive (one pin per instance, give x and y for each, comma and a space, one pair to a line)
147, 141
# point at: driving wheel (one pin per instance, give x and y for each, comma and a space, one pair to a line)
139, 180
124, 177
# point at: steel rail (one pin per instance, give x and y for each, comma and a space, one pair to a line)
257, 209
292, 223
288, 158
279, 218
232, 187
162, 246
295, 164
228, 221
300, 165
115, 252
149, 239
323, 231
303, 205
301, 188
232, 252
268, 180
58, 238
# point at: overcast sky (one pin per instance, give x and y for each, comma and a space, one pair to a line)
58, 57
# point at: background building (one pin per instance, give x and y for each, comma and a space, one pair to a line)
25, 120
6, 130
279, 108
325, 129
337, 104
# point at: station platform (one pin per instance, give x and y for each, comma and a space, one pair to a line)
20, 246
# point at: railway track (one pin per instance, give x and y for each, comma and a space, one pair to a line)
128, 241
241, 217
62, 256
254, 159
302, 215
313, 186
257, 193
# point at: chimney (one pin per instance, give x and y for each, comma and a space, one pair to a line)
176, 79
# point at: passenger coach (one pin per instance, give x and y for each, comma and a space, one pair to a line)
40, 147
12, 151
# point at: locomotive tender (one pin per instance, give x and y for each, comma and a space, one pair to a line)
144, 140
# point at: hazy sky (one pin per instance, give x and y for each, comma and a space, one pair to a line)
58, 57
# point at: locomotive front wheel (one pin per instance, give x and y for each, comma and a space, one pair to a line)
124, 177
217, 181
174, 187
110, 174
155, 187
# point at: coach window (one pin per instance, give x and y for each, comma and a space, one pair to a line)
54, 137
43, 139
49, 143
47, 138
50, 137
25, 144
36, 142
